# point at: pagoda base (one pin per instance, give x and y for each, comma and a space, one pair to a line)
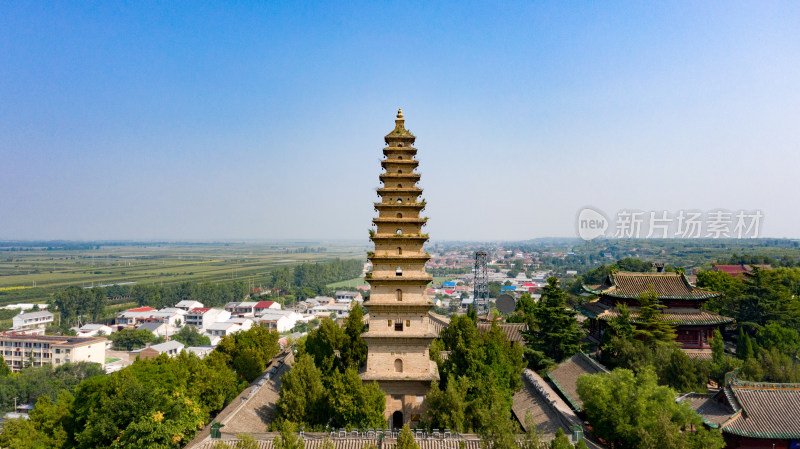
405, 402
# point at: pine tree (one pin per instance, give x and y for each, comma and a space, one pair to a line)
717, 348
354, 348
406, 439
650, 326
744, 346
554, 333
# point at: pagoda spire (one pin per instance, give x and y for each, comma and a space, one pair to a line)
399, 133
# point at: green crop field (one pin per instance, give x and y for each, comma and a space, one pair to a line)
32, 274
350, 283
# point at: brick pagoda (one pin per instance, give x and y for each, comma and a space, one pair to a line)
399, 332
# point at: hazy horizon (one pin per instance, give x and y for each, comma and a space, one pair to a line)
263, 121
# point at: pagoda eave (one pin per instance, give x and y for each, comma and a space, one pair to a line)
412, 220
403, 138
380, 377
390, 307
419, 207
399, 177
422, 258
393, 161
400, 281
398, 190
399, 238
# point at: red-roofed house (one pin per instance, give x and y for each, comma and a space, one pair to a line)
738, 270
263, 306
141, 309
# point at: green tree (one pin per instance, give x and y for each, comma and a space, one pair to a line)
633, 411
288, 439
353, 403
683, 374
302, 395
249, 352
4, 369
245, 441
129, 339
651, 328
189, 336
731, 289
773, 335
721, 363
561, 441
354, 348
532, 438
23, 434
448, 407
322, 343
499, 429
406, 439
744, 346
554, 333
482, 371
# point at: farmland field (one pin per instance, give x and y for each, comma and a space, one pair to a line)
33, 273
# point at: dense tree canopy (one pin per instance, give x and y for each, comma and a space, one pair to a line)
130, 339
323, 388
33, 383
479, 378
553, 331
632, 411
160, 402
189, 336
79, 305
248, 353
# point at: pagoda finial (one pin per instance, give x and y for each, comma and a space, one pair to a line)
399, 121
399, 131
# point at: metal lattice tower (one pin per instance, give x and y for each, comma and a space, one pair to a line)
480, 295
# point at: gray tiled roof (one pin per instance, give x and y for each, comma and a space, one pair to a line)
666, 285
565, 376
767, 410
714, 413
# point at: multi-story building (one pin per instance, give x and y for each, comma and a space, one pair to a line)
265, 306
400, 333
20, 350
202, 317
32, 322
325, 310
279, 320
241, 309
345, 297
135, 316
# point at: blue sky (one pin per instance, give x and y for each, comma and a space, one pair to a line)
261, 120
